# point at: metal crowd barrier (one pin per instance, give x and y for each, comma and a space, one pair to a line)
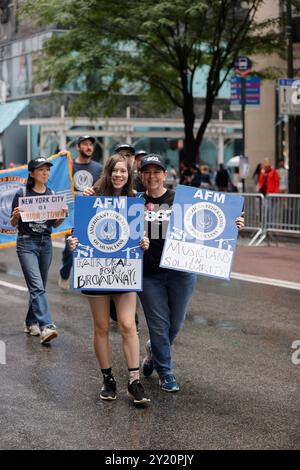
282, 215
275, 213
254, 209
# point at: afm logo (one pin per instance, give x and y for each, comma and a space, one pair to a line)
2, 353
296, 354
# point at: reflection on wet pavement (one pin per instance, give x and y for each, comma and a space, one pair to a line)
223, 324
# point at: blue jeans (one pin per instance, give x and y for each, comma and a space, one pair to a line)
35, 256
164, 299
67, 261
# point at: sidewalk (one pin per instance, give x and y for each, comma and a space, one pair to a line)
276, 262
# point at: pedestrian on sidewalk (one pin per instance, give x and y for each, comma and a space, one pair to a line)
85, 173
34, 250
116, 181
255, 176
166, 292
268, 180
283, 174
222, 178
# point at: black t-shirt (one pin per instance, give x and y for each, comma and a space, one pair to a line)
85, 175
34, 229
157, 215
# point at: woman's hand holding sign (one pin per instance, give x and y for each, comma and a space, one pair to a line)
89, 192
145, 243
65, 213
15, 216
73, 242
240, 221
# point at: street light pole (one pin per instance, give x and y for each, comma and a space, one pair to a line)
290, 71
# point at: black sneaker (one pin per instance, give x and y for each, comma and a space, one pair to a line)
136, 393
109, 388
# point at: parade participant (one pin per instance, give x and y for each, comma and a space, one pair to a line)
85, 173
116, 180
126, 150
138, 184
34, 249
166, 293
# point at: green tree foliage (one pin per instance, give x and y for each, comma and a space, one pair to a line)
152, 46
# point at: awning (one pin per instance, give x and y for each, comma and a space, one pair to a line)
10, 111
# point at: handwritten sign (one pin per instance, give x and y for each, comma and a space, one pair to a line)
202, 233
40, 208
108, 255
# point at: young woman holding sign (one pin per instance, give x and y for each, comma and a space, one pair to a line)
34, 249
116, 180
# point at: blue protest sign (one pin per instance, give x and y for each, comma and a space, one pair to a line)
108, 255
202, 233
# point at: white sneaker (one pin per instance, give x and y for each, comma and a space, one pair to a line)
63, 283
32, 330
48, 334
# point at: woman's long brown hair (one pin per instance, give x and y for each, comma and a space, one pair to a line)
104, 187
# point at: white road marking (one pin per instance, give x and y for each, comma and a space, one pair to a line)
239, 276
13, 286
265, 280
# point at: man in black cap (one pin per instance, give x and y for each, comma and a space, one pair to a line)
85, 174
140, 154
138, 184
126, 150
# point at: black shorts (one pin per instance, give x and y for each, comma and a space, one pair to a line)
96, 293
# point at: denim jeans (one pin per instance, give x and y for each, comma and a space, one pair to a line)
164, 299
35, 256
67, 261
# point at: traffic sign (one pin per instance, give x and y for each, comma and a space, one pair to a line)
243, 66
252, 91
289, 96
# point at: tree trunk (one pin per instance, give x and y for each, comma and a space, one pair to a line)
190, 147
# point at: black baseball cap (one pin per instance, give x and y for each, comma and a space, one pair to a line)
141, 153
153, 159
125, 147
37, 162
85, 137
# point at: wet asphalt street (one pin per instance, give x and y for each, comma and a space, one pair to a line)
239, 387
